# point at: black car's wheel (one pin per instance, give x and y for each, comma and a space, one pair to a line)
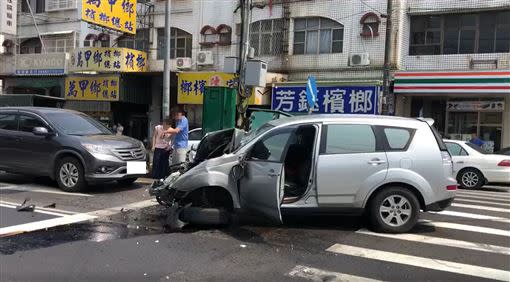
126, 181
69, 175
470, 178
205, 216
394, 210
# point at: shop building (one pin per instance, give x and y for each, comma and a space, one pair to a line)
455, 68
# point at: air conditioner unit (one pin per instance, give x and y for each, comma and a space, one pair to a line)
183, 63
205, 58
360, 59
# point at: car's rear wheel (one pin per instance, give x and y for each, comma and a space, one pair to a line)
70, 176
126, 181
394, 210
470, 178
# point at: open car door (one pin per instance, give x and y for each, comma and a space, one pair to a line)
261, 187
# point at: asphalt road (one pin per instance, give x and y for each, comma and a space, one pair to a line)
115, 233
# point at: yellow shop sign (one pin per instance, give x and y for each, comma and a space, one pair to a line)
92, 88
108, 60
115, 14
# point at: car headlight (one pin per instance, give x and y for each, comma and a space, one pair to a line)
96, 149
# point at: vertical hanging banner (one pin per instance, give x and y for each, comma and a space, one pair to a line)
115, 14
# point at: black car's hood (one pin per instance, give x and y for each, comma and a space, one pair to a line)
217, 143
112, 141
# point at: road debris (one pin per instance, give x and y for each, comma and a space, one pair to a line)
24, 207
51, 206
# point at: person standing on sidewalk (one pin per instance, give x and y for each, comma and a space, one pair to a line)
181, 136
161, 147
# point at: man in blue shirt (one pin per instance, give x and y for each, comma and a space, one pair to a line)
181, 136
475, 140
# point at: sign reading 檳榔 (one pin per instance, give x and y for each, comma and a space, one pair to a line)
92, 88
115, 14
108, 60
330, 99
8, 10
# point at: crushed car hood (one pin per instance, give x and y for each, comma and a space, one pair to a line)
218, 143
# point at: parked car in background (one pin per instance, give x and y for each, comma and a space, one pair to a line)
194, 138
389, 167
474, 167
504, 151
68, 146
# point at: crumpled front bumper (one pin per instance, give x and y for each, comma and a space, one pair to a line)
164, 192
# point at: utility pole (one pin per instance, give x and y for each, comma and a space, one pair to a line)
244, 92
166, 67
390, 100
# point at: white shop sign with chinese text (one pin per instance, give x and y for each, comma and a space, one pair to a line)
8, 10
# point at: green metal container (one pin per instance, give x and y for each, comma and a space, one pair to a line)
219, 108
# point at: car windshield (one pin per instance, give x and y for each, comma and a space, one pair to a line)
477, 148
254, 133
77, 124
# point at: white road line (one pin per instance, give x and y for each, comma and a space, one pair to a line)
46, 191
35, 210
64, 212
483, 193
473, 216
482, 202
476, 207
469, 228
319, 275
442, 242
69, 219
501, 200
428, 263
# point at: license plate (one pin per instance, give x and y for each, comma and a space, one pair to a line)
136, 168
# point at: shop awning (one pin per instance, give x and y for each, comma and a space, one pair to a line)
488, 82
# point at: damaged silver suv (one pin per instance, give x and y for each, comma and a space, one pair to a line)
388, 168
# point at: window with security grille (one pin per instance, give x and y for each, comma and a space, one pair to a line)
317, 35
266, 37
486, 32
180, 43
55, 5
140, 41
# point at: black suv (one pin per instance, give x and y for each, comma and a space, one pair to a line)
68, 146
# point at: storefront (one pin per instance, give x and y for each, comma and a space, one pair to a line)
461, 103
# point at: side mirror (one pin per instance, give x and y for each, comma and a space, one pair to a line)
41, 131
260, 151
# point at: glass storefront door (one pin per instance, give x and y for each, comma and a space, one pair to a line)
487, 125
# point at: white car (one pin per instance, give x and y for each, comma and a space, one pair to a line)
194, 138
475, 167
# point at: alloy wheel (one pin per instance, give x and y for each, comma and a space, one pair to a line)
395, 210
69, 175
470, 179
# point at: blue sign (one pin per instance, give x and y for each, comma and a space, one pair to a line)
40, 72
311, 91
330, 99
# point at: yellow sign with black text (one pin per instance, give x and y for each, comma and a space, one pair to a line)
192, 85
115, 14
92, 88
103, 59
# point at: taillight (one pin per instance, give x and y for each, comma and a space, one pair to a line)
446, 157
504, 163
451, 187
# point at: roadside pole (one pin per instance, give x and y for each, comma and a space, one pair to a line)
166, 68
390, 101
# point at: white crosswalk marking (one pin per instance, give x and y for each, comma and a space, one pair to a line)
484, 193
441, 241
433, 264
500, 200
457, 200
477, 207
473, 216
319, 275
470, 228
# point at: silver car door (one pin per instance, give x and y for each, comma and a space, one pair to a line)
261, 188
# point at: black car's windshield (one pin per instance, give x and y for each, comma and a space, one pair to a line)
77, 124
477, 148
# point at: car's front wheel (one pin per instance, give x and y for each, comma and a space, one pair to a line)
70, 175
394, 210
